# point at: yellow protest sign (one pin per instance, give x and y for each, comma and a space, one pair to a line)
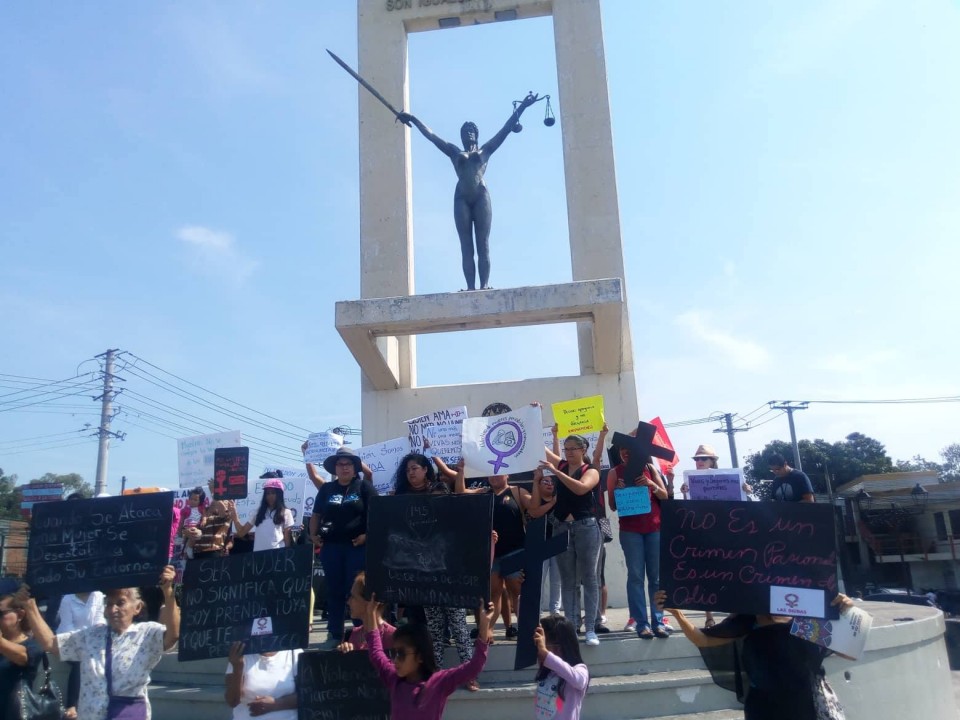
579, 416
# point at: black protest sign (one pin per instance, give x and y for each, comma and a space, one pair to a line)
340, 686
259, 598
748, 557
116, 542
230, 467
430, 549
536, 549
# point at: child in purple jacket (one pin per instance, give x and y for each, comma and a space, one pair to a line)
563, 678
418, 690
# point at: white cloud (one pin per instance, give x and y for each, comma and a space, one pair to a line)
739, 352
857, 363
215, 252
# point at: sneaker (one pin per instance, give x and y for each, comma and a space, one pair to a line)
603, 619
591, 638
601, 629
631, 626
659, 632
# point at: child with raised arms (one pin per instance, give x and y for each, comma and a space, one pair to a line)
563, 677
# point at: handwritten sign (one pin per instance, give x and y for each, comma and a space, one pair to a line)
736, 556
230, 467
260, 598
322, 445
99, 544
579, 416
726, 484
195, 456
632, 500
445, 445
384, 459
340, 686
298, 493
430, 549
503, 444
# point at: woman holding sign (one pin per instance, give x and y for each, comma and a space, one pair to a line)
116, 658
272, 522
640, 540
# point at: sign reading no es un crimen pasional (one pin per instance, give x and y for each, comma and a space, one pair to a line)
749, 557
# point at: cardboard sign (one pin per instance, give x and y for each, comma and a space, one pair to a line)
754, 557
846, 636
195, 456
260, 598
446, 444
430, 549
340, 686
634, 500
384, 459
579, 416
99, 544
298, 493
715, 484
230, 467
503, 444
322, 445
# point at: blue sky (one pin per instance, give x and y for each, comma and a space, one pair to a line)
180, 180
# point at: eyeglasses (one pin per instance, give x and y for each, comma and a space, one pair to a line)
401, 654
702, 459
572, 449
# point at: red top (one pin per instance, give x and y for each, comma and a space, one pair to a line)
636, 523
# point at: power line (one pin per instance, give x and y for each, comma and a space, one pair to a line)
54, 447
899, 401
43, 385
38, 437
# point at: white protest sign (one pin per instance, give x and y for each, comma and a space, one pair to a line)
384, 459
503, 444
322, 445
195, 456
447, 444
715, 484
298, 494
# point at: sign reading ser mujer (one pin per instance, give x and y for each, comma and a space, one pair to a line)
81, 545
748, 557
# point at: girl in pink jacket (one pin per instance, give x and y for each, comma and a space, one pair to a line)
563, 677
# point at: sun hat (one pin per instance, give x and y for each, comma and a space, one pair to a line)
706, 451
330, 464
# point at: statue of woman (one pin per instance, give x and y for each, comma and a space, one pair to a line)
472, 210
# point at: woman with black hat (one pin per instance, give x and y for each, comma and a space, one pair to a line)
339, 525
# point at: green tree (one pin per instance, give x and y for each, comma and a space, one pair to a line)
918, 464
9, 496
72, 483
950, 469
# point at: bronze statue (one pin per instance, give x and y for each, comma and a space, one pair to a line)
472, 211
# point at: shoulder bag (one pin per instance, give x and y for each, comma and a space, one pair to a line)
120, 707
45, 704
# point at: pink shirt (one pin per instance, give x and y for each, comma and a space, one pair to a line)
424, 700
549, 704
386, 637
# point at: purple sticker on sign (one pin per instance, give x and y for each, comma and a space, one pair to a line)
503, 439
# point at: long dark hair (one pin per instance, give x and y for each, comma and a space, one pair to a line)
560, 632
400, 481
279, 508
417, 636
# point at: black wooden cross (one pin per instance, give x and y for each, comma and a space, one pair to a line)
642, 450
536, 549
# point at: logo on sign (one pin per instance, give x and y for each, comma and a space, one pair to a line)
504, 439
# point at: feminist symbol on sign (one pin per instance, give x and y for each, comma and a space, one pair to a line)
503, 439
792, 600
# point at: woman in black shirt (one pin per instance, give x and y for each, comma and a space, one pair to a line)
19, 654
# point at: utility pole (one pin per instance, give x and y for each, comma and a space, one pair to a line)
788, 406
106, 415
730, 431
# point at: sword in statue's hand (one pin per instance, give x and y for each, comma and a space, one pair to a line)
368, 86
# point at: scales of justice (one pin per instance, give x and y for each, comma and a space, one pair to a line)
472, 209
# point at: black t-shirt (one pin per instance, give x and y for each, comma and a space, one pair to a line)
508, 522
344, 507
792, 487
11, 673
568, 502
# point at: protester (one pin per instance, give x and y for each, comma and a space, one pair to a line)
318, 480
262, 684
78, 611
418, 690
117, 678
509, 504
640, 540
339, 523
20, 655
212, 538
784, 673
789, 485
575, 508
542, 502
190, 519
272, 522
357, 603
563, 677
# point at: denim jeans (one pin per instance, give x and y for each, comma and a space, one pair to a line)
341, 562
550, 589
642, 554
578, 566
